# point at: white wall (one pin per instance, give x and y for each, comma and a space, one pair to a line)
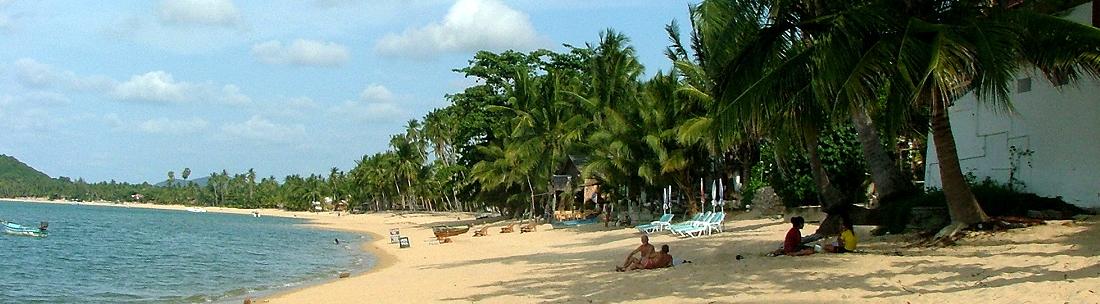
1061, 126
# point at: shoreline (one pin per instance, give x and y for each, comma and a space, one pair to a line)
382, 259
1056, 262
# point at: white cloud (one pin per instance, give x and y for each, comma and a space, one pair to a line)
158, 125
376, 93
231, 94
202, 12
153, 86
375, 104
160, 86
260, 129
6, 23
24, 114
169, 126
33, 74
334, 3
43, 99
290, 108
470, 25
301, 52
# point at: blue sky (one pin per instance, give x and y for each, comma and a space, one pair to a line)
128, 90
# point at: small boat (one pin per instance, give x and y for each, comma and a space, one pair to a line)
194, 209
443, 231
17, 229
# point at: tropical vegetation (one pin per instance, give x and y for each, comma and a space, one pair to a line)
818, 99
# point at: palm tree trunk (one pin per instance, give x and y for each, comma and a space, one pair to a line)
961, 203
832, 199
398, 185
412, 194
532, 188
888, 180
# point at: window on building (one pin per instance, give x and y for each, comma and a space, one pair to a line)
1023, 85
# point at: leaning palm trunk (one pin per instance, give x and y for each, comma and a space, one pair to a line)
889, 182
961, 203
833, 200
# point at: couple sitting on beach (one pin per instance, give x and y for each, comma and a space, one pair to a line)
793, 246
648, 258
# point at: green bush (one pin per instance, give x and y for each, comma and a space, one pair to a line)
996, 199
840, 155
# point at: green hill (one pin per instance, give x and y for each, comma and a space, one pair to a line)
201, 182
12, 169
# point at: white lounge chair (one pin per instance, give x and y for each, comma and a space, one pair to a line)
663, 223
712, 224
679, 229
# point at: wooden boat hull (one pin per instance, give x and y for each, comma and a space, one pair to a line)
449, 231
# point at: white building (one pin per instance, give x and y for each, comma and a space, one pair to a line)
1051, 144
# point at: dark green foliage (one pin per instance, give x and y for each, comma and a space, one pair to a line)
998, 200
841, 156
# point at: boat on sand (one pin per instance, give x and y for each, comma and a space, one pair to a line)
443, 231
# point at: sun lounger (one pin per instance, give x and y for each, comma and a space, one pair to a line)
663, 223
532, 227
484, 231
681, 229
507, 229
698, 218
712, 224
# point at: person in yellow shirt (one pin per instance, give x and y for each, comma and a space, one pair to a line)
846, 242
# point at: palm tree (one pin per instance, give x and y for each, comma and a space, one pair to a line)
946, 49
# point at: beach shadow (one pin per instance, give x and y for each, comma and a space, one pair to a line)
586, 276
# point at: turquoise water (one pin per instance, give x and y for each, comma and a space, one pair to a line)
100, 254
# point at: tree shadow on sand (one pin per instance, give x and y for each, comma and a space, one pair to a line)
587, 276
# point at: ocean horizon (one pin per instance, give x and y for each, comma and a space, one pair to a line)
109, 254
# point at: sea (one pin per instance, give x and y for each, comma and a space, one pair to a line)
108, 254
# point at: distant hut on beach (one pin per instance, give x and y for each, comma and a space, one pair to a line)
572, 189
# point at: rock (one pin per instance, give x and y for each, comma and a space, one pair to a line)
344, 274
928, 218
767, 203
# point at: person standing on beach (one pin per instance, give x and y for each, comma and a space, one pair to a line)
645, 249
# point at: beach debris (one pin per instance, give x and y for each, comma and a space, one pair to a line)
739, 257
248, 300
344, 274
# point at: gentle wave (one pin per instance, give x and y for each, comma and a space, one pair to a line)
132, 255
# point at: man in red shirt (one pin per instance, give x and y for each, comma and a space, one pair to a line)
792, 244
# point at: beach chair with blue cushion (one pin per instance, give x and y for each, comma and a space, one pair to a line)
658, 225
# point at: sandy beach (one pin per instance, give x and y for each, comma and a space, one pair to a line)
1053, 263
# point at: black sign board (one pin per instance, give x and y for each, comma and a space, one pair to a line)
404, 242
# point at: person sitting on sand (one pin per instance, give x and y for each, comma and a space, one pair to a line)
792, 244
846, 242
645, 250
660, 259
